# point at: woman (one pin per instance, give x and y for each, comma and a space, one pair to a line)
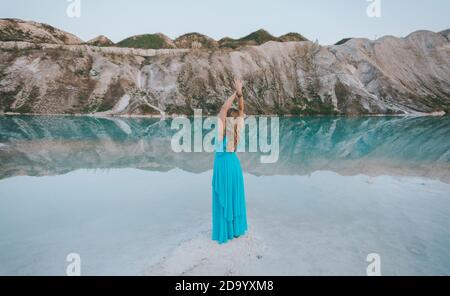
229, 218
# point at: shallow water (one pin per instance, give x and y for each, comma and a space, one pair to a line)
113, 191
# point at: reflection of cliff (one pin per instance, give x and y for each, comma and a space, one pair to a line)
372, 145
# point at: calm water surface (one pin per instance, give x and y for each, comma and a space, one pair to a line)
113, 191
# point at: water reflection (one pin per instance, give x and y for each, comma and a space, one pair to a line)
50, 145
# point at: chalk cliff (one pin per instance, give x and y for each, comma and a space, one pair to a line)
385, 76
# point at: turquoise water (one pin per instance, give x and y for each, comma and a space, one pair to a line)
113, 190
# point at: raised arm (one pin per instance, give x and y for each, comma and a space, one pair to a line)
227, 105
240, 96
222, 116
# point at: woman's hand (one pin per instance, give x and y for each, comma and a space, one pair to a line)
237, 84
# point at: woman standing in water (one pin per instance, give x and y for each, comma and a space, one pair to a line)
229, 218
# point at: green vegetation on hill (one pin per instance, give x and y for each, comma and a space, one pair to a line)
10, 34
259, 37
195, 40
292, 37
228, 42
146, 41
342, 41
18, 30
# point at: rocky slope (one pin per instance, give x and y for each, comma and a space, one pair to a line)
386, 76
446, 34
100, 41
195, 41
19, 30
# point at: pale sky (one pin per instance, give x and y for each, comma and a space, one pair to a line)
325, 20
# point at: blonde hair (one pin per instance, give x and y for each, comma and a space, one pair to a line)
233, 128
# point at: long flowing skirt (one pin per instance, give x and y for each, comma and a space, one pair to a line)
229, 218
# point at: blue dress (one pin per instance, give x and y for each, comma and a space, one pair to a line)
229, 218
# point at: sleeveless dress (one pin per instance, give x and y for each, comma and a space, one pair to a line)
229, 218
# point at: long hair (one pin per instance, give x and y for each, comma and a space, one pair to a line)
232, 129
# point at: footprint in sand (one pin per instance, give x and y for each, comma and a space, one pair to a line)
202, 256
